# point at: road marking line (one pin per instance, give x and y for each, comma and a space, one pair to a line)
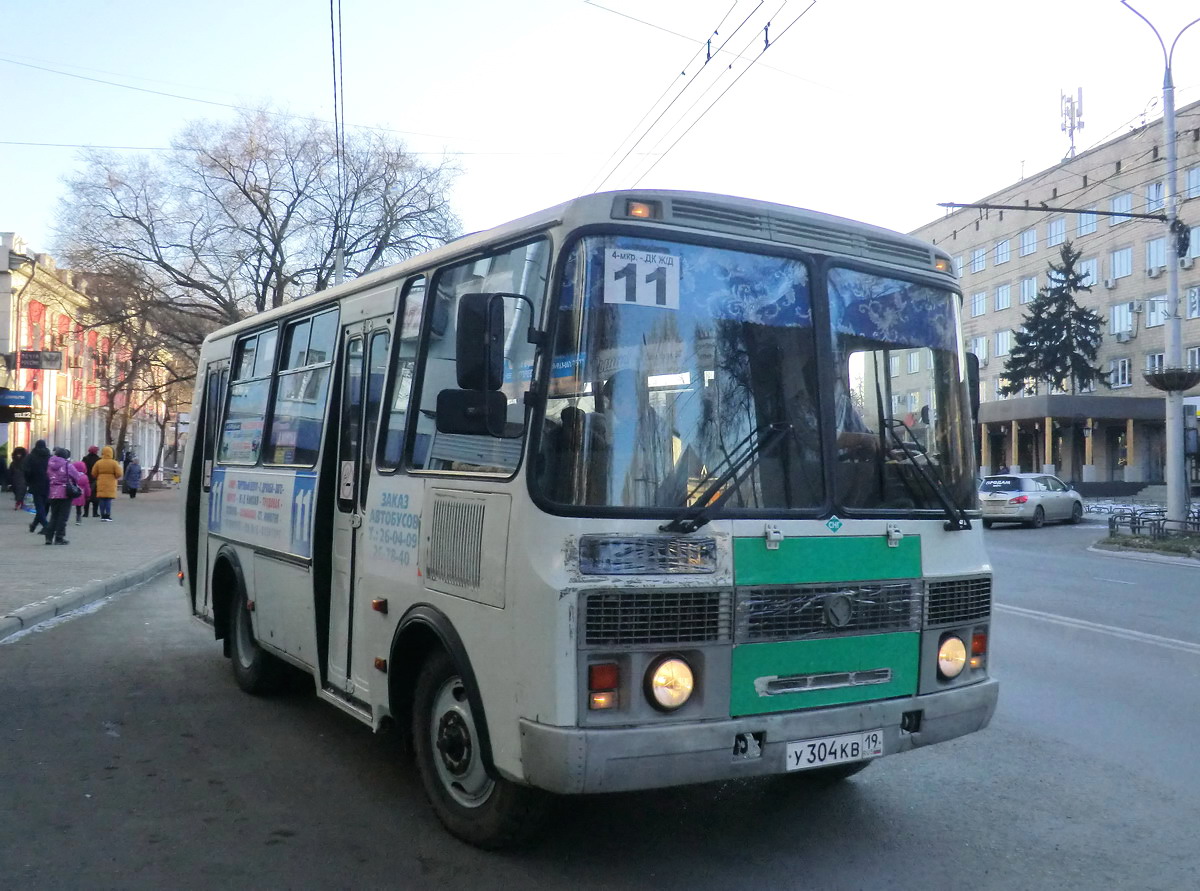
1168, 643
1100, 578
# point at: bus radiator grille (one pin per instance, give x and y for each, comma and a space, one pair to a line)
631, 618
794, 612
954, 601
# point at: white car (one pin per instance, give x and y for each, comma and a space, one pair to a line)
1028, 498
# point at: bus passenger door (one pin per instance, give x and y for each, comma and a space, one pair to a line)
364, 360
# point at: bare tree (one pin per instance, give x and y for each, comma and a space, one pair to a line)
245, 217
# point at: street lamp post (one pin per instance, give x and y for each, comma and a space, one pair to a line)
1174, 378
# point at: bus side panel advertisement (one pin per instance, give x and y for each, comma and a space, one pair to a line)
268, 510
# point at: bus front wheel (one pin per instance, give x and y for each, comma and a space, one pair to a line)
255, 670
481, 809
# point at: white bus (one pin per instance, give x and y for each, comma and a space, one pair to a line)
650, 488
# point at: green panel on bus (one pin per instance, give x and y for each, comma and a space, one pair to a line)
756, 665
825, 559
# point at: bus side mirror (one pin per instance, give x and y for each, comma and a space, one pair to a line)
479, 342
473, 412
973, 385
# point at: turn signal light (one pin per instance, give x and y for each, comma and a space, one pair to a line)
607, 699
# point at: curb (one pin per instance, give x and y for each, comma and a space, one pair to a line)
1132, 554
39, 611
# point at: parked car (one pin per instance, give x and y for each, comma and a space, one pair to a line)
1028, 498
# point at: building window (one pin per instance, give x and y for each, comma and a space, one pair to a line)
1029, 289
914, 362
1056, 232
978, 346
978, 259
958, 265
1121, 262
1193, 357
1120, 318
1193, 303
1156, 310
1193, 250
1122, 203
979, 303
1154, 361
896, 405
1119, 371
1088, 271
1003, 297
1156, 254
1003, 342
1028, 242
1001, 381
1155, 197
894, 366
1002, 252
913, 401
1085, 224
1191, 187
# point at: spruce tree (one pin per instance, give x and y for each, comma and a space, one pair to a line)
1059, 339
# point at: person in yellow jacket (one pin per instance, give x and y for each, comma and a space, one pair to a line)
107, 474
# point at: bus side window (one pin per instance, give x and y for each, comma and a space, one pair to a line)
242, 433
297, 414
399, 388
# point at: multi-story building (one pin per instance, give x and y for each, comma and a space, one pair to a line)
42, 308
1003, 259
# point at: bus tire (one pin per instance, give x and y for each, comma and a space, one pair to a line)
255, 670
484, 810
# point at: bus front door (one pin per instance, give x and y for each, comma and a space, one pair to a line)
364, 364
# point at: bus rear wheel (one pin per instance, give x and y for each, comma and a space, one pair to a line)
481, 809
255, 670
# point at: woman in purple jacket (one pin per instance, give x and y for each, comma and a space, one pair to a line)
59, 470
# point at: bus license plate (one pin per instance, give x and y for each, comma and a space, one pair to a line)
807, 754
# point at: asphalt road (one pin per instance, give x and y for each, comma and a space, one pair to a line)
128, 759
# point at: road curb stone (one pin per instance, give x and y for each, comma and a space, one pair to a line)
39, 611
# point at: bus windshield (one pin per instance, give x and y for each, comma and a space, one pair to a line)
672, 361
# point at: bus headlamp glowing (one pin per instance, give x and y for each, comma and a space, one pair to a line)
669, 683
646, 555
951, 657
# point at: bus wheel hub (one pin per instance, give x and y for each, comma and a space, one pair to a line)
454, 743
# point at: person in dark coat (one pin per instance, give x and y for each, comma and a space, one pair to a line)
93, 504
133, 477
16, 476
36, 463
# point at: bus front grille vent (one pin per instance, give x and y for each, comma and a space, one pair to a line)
708, 216
456, 538
954, 601
808, 611
631, 618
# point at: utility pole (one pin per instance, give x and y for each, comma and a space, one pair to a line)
1173, 379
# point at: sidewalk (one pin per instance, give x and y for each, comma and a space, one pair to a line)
38, 582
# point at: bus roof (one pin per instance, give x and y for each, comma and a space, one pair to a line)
705, 211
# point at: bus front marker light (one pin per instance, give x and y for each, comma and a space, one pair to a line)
978, 649
643, 210
604, 679
951, 656
669, 683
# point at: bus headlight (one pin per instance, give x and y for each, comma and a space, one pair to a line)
952, 656
669, 683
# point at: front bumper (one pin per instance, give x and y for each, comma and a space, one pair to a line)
573, 760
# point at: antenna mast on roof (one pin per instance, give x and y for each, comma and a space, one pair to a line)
1072, 116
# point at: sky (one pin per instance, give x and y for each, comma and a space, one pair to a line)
875, 110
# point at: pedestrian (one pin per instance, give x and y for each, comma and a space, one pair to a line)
16, 476
64, 481
81, 503
36, 464
133, 477
107, 474
90, 459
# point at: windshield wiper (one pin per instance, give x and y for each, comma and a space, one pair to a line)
956, 517
737, 467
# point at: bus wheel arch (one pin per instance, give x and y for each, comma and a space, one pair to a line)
437, 692
255, 670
